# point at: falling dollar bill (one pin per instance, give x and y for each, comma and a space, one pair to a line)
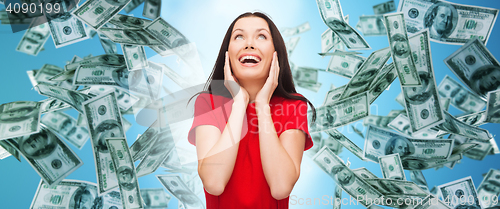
331, 13
65, 126
124, 98
155, 198
135, 57
364, 173
493, 108
19, 118
106, 75
96, 13
391, 167
340, 113
73, 98
380, 142
345, 65
131, 36
361, 81
143, 144
476, 67
125, 172
125, 21
396, 187
455, 126
8, 150
161, 148
372, 25
489, 189
291, 44
132, 5
383, 80
351, 183
422, 102
159, 27
419, 179
105, 59
177, 187
106, 43
103, 121
460, 97
295, 30
460, 192
423, 164
401, 51
149, 83
65, 194
33, 39
306, 75
51, 158
448, 22
385, 7
152, 9
65, 28
346, 142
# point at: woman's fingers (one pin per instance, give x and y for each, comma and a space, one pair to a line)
227, 69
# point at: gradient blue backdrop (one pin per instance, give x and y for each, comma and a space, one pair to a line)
205, 23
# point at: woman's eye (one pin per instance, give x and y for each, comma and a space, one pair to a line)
262, 37
238, 37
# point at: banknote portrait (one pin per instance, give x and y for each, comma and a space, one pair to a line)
399, 144
140, 39
19, 114
326, 118
414, 164
106, 129
121, 76
441, 19
128, 20
400, 47
485, 79
344, 176
419, 95
38, 146
126, 177
390, 187
82, 198
112, 59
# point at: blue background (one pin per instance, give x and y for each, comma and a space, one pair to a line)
205, 23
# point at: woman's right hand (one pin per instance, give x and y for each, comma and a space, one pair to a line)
231, 83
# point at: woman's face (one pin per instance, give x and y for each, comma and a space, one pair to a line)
251, 49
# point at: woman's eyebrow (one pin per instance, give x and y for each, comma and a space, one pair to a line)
258, 29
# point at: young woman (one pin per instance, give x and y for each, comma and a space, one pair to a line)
250, 132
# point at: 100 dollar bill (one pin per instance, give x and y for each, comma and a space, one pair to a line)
422, 103
380, 142
180, 190
125, 172
448, 22
341, 113
103, 121
355, 186
401, 51
96, 13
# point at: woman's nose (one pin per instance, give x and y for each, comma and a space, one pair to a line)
249, 45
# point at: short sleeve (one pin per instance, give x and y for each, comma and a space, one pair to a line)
298, 120
203, 115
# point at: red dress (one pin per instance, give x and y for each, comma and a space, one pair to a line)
247, 187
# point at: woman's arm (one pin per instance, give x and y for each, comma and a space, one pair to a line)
217, 152
281, 157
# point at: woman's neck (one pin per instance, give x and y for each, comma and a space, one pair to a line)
252, 87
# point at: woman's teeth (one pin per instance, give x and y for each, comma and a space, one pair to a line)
249, 59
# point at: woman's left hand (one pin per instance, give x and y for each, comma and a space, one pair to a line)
264, 95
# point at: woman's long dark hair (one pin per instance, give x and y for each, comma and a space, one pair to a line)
285, 87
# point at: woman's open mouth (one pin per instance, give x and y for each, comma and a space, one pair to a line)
249, 60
